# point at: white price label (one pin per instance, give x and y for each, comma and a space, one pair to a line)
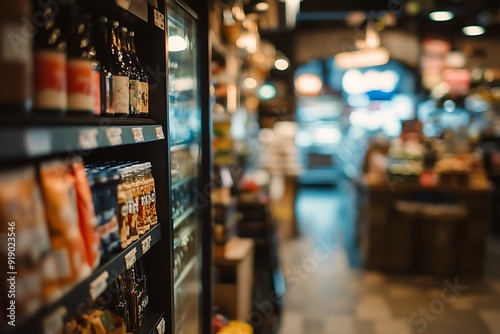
54, 322
146, 244
114, 136
159, 20
37, 142
138, 135
159, 133
130, 258
99, 285
88, 139
161, 326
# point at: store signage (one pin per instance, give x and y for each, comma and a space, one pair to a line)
138, 135
356, 82
146, 244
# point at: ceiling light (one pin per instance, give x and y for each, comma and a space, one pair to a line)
281, 64
262, 6
362, 58
267, 92
308, 84
250, 83
473, 30
176, 44
441, 15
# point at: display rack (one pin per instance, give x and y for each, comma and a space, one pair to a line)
30, 138
85, 292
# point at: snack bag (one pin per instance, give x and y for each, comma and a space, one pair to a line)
25, 242
86, 212
58, 186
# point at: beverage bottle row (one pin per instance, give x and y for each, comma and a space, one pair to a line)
87, 67
125, 201
120, 309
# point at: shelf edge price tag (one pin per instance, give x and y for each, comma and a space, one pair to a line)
54, 322
146, 244
161, 326
159, 133
37, 142
114, 135
130, 258
87, 138
138, 135
159, 19
99, 285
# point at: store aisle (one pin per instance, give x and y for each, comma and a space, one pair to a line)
329, 293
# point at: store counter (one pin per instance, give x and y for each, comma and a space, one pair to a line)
438, 230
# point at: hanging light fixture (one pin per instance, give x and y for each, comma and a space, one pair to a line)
473, 30
370, 53
441, 15
281, 63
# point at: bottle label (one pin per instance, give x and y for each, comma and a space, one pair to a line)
134, 96
121, 94
80, 85
50, 80
107, 89
144, 98
97, 92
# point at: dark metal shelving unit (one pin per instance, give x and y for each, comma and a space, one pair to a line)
81, 295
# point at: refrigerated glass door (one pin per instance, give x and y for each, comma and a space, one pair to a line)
184, 131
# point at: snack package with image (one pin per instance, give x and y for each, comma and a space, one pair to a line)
86, 212
25, 231
58, 186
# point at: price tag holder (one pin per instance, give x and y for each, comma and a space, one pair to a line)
146, 244
99, 285
37, 142
130, 258
54, 322
138, 135
114, 135
159, 19
159, 133
161, 326
87, 138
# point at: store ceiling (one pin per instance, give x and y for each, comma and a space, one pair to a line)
323, 14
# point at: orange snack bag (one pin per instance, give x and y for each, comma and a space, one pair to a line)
58, 185
26, 242
86, 213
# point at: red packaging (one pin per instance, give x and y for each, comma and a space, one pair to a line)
86, 213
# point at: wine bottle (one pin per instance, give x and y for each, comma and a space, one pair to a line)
80, 68
16, 57
143, 101
133, 73
120, 96
50, 64
101, 34
132, 301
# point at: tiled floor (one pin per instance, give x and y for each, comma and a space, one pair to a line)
329, 292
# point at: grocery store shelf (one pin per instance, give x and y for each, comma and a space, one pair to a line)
183, 217
185, 272
22, 142
152, 324
182, 182
179, 147
57, 313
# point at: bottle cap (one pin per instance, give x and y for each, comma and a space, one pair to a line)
124, 29
115, 23
103, 19
131, 33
